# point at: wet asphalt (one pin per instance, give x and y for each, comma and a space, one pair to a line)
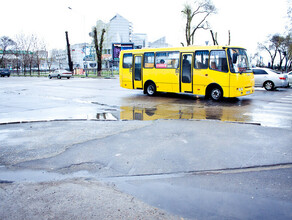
189, 156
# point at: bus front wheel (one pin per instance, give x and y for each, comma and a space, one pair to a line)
150, 89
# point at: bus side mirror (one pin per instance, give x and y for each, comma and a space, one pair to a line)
234, 58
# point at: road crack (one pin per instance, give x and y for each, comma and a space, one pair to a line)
207, 172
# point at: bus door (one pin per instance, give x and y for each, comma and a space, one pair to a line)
186, 73
137, 72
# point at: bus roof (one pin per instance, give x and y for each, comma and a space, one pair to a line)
181, 49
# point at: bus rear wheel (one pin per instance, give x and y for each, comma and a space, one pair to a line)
216, 93
150, 89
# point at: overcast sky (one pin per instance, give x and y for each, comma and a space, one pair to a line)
250, 21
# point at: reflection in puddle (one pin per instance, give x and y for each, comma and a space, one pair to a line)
177, 106
172, 111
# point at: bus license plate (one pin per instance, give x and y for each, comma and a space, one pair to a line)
247, 92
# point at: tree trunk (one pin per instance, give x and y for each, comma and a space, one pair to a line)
70, 63
98, 49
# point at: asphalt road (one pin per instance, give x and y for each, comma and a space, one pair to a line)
118, 153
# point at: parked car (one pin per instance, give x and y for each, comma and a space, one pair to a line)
290, 77
60, 73
4, 72
269, 79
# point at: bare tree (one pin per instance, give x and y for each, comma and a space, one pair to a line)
24, 44
98, 35
5, 44
30, 53
199, 14
281, 51
17, 57
39, 51
272, 46
48, 59
288, 39
288, 55
289, 14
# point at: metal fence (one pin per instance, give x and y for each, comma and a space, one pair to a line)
105, 73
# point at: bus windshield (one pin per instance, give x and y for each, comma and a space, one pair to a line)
238, 61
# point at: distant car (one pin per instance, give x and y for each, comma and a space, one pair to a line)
60, 74
290, 77
4, 72
269, 79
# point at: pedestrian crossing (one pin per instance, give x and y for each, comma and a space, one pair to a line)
274, 114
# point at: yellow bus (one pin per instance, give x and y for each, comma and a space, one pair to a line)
212, 71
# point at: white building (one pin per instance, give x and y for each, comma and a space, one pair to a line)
58, 59
140, 40
78, 54
118, 30
159, 43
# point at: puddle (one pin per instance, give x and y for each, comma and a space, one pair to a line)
237, 113
183, 112
232, 110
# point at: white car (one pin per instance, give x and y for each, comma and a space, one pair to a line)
269, 79
60, 73
290, 78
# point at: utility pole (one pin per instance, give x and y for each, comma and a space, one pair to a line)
70, 63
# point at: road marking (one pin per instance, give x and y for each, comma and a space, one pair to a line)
268, 117
280, 104
278, 107
287, 98
276, 113
283, 101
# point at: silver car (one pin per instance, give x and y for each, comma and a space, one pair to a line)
60, 74
290, 78
269, 79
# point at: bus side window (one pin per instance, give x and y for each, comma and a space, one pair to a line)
167, 59
127, 60
218, 60
201, 59
149, 60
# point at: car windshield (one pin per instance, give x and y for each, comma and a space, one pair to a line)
238, 61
